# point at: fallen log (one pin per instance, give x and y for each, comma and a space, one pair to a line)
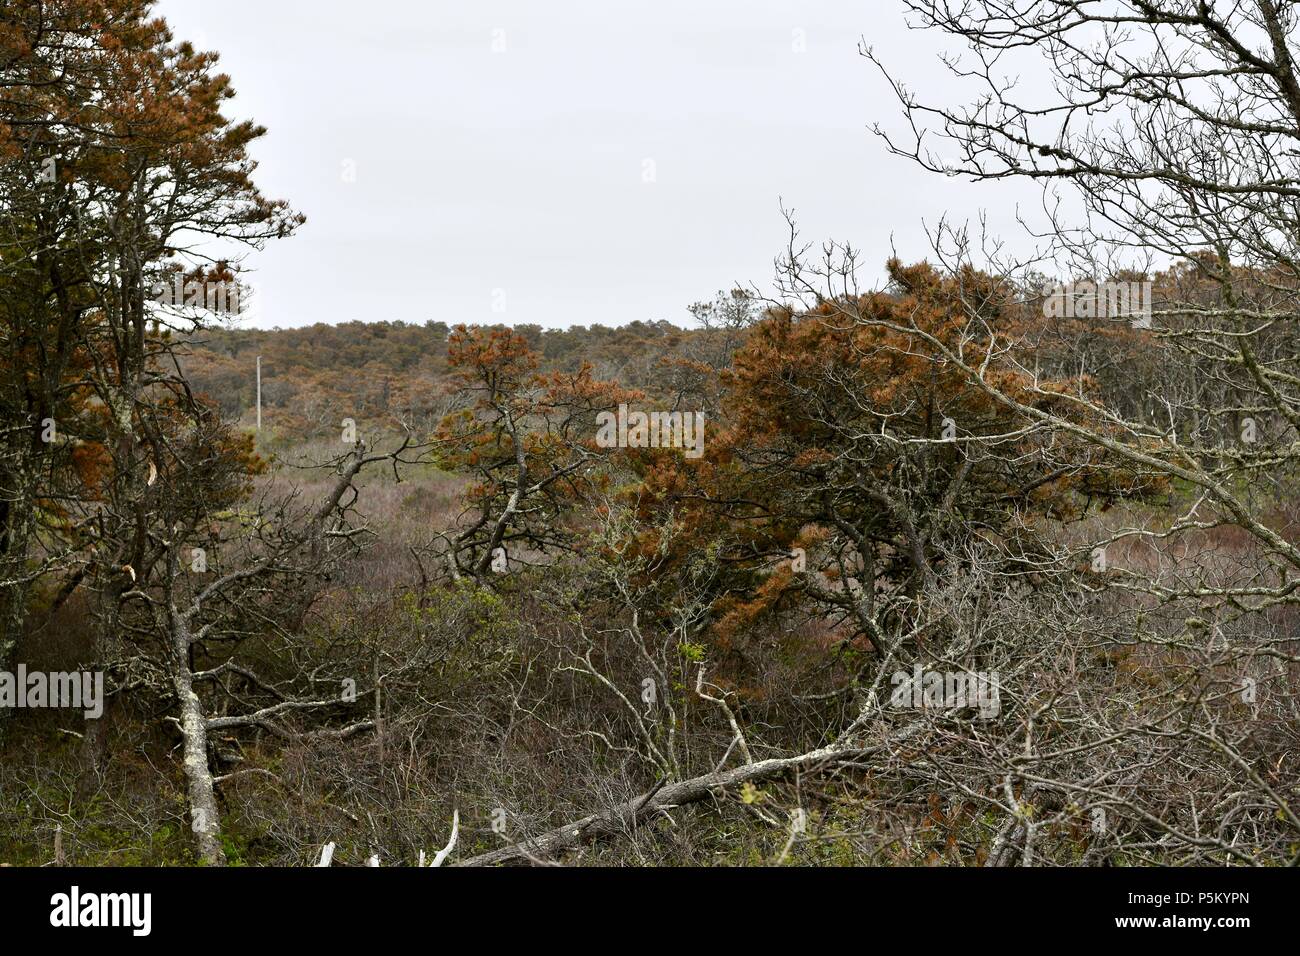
620, 818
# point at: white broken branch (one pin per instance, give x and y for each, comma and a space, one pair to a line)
327, 852
442, 854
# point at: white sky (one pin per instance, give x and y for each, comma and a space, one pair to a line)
515, 179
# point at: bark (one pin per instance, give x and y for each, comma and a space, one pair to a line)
205, 821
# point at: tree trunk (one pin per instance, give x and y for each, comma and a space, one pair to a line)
205, 820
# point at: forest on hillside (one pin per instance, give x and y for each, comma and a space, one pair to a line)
992, 563
397, 373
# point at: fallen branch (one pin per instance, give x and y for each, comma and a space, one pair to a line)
620, 818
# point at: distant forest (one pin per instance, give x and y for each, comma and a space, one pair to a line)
395, 370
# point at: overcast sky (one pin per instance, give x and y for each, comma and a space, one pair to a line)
570, 162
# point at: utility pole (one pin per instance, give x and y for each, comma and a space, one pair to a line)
259, 393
